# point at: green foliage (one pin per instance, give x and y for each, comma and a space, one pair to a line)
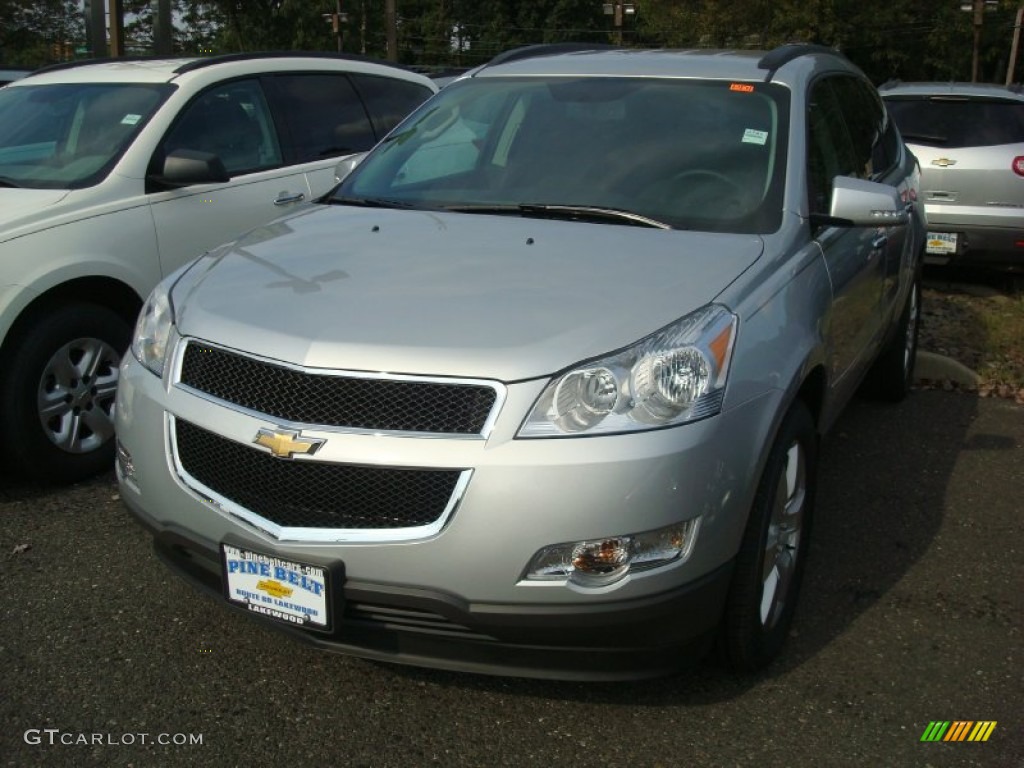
33, 33
909, 40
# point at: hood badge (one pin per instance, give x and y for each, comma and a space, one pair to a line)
943, 162
285, 443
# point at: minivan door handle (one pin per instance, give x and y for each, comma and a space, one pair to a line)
285, 198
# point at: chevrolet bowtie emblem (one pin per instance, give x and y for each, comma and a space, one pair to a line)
943, 162
285, 443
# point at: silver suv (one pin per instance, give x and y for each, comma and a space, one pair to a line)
538, 389
969, 139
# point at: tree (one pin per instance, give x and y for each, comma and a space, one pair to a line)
37, 32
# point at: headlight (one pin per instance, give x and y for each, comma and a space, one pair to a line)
675, 375
153, 329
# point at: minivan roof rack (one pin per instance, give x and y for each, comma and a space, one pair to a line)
778, 57
101, 60
192, 63
208, 61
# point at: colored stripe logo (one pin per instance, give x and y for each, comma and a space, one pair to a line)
958, 730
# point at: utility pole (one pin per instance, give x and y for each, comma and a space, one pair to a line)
337, 23
391, 20
1015, 44
116, 28
163, 43
619, 10
96, 28
979, 16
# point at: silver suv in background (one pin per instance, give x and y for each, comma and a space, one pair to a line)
538, 389
969, 138
113, 175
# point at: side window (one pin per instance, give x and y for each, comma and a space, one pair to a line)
322, 114
232, 121
829, 147
389, 100
863, 116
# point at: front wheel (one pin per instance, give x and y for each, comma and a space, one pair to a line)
770, 563
57, 394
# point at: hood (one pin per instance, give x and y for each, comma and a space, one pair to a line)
449, 294
20, 207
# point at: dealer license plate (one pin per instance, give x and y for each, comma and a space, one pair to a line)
290, 592
941, 243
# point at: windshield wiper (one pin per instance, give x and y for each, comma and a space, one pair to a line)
370, 202
569, 212
6, 182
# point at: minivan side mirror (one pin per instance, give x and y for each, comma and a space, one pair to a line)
183, 167
861, 203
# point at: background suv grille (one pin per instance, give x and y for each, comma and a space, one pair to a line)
308, 494
338, 401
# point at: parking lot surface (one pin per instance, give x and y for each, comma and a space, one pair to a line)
911, 613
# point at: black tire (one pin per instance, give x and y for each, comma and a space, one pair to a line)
892, 374
63, 364
770, 564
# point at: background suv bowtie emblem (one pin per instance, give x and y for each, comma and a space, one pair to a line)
285, 443
943, 162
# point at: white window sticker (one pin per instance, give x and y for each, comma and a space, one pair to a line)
751, 136
133, 119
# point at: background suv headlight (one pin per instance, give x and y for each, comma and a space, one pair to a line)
673, 376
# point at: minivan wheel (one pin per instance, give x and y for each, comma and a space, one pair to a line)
770, 563
58, 389
892, 375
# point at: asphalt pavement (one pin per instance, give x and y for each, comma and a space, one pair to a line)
911, 614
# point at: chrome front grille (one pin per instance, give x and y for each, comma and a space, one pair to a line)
302, 495
304, 396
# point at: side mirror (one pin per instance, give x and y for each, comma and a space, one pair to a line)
347, 165
183, 167
860, 203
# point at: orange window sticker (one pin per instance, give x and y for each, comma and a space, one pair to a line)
741, 87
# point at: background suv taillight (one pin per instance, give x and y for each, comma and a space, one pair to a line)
1018, 165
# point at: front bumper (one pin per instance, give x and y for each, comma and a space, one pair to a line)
456, 598
614, 640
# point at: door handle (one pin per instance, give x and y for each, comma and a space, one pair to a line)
880, 242
285, 198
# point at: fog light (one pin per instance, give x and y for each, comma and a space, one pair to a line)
125, 465
599, 562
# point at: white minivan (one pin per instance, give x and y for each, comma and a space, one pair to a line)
113, 175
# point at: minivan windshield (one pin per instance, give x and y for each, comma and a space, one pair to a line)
68, 136
675, 153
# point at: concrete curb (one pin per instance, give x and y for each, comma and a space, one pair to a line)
930, 366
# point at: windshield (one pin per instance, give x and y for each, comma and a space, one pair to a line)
680, 153
70, 135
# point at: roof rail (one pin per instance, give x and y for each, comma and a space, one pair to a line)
778, 57
209, 61
546, 49
101, 60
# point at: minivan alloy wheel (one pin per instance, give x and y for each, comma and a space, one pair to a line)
76, 395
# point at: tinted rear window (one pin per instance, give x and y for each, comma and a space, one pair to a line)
953, 122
